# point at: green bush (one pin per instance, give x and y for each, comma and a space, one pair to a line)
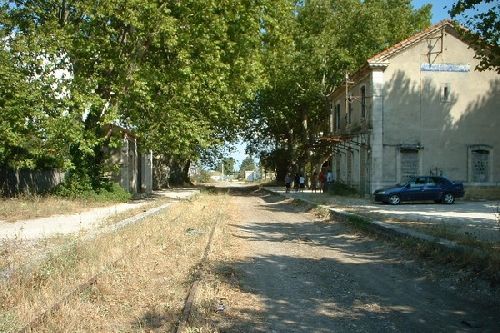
342, 189
203, 177
79, 186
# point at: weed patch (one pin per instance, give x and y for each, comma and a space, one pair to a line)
141, 272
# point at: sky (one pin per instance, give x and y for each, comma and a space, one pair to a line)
440, 10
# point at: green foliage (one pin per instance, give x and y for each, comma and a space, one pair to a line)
483, 29
203, 177
177, 73
79, 185
341, 189
229, 164
308, 46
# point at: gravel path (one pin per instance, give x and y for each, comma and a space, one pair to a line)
72, 223
312, 276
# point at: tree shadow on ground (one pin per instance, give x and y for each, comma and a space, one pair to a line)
360, 288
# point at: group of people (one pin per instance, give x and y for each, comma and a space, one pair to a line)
319, 181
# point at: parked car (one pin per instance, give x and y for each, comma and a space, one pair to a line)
422, 188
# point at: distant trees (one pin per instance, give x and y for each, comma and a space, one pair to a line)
483, 30
229, 164
248, 164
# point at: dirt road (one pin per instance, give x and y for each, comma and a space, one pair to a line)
299, 274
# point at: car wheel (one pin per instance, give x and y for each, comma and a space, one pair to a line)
394, 199
448, 198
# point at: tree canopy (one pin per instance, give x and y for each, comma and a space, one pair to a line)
185, 76
483, 31
176, 73
308, 47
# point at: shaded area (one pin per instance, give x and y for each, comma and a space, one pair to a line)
319, 277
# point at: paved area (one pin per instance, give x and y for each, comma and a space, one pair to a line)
66, 224
475, 219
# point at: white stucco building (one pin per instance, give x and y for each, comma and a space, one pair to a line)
419, 107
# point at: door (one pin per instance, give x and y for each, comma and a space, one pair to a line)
415, 190
409, 164
432, 190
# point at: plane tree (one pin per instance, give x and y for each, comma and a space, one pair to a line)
483, 29
308, 48
176, 73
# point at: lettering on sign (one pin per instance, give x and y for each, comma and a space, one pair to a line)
444, 68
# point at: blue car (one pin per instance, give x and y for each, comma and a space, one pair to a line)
422, 188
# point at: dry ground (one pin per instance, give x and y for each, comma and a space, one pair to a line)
142, 274
282, 270
30, 207
271, 268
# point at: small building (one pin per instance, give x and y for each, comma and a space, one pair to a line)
130, 167
418, 107
252, 175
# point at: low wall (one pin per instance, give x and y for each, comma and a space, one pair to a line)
482, 192
27, 181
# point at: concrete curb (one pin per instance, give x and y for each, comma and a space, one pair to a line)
383, 227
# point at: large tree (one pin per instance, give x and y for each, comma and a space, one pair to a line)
176, 73
309, 46
483, 31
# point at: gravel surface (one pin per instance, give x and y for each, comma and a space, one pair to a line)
477, 219
34, 229
316, 276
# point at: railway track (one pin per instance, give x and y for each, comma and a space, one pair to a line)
46, 315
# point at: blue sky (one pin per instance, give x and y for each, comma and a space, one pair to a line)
439, 12
440, 8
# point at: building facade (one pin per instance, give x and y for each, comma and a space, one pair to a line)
418, 108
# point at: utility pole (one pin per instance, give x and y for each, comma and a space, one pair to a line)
346, 95
222, 169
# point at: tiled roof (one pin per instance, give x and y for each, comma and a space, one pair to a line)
387, 53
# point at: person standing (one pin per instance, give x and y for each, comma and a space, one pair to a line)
329, 180
296, 182
322, 180
288, 182
302, 182
314, 182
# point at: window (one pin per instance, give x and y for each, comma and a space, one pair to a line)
337, 116
480, 163
445, 92
363, 102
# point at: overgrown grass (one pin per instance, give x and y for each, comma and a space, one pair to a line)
341, 189
111, 192
143, 273
34, 206
24, 207
482, 193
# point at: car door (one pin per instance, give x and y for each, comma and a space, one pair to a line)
431, 191
413, 190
